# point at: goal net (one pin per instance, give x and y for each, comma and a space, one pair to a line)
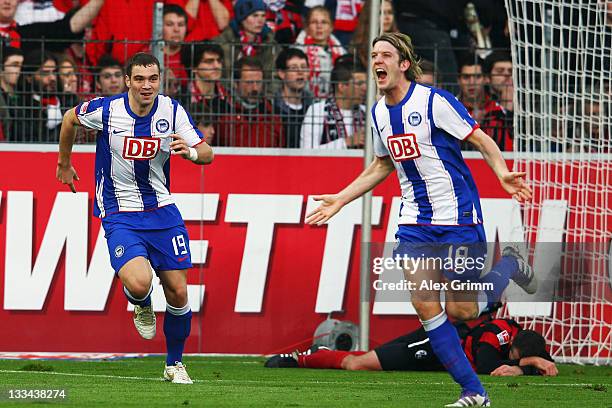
561, 53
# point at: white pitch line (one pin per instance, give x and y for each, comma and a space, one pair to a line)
159, 379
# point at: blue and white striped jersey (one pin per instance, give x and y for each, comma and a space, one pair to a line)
133, 152
422, 135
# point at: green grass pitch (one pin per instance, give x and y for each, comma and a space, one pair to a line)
244, 382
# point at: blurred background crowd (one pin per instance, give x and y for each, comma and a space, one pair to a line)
252, 73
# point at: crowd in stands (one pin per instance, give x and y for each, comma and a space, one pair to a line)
252, 73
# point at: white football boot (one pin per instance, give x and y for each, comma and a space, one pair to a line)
144, 320
470, 399
177, 374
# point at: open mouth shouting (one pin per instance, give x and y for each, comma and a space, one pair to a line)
381, 74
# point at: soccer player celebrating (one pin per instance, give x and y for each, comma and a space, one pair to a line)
137, 133
499, 347
417, 130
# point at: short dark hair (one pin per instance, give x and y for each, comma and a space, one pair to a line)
143, 59
494, 58
529, 343
288, 53
191, 57
344, 69
9, 52
252, 62
107, 61
428, 67
175, 9
468, 59
33, 60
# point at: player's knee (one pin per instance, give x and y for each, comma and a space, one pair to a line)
138, 286
177, 296
462, 311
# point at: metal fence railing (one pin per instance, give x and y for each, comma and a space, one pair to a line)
303, 103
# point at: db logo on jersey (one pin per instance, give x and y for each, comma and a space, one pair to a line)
503, 337
140, 148
403, 147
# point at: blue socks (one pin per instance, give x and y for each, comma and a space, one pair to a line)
146, 301
499, 276
177, 326
447, 346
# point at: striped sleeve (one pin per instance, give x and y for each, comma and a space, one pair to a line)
89, 113
186, 128
380, 150
451, 116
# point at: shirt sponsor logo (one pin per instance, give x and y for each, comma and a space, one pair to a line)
503, 337
140, 148
403, 147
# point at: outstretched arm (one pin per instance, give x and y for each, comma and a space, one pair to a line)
65, 172
512, 182
380, 168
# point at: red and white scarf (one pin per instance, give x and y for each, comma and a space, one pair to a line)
249, 48
313, 52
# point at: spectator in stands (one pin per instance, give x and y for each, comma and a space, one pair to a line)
71, 27
494, 120
67, 75
494, 19
206, 18
247, 118
205, 87
69, 93
321, 47
293, 98
472, 86
40, 114
435, 27
67, 82
12, 62
429, 75
581, 127
174, 32
338, 121
284, 17
122, 29
248, 36
109, 78
172, 84
361, 39
498, 68
344, 13
85, 78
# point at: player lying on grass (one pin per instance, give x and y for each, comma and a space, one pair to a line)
499, 347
